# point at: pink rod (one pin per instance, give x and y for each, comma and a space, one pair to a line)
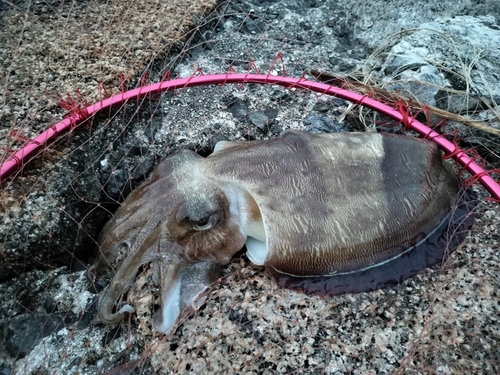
30, 150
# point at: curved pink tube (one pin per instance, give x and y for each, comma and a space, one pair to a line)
22, 156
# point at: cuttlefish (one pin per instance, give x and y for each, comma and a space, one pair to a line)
324, 213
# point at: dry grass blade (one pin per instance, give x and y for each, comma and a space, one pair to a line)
394, 97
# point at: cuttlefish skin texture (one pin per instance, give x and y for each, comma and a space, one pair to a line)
326, 214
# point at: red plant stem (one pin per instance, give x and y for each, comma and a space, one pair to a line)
22, 156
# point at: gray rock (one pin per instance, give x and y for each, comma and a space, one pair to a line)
118, 185
462, 46
260, 120
323, 124
422, 84
144, 168
24, 332
458, 102
271, 113
152, 127
239, 109
137, 150
375, 21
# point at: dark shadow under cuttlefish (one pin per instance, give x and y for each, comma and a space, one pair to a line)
325, 214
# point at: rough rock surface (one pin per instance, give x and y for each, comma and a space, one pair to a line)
444, 320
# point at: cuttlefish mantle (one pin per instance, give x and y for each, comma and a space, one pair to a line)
325, 214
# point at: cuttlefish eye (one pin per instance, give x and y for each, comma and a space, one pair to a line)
200, 216
206, 223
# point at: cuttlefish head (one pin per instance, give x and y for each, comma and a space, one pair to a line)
181, 222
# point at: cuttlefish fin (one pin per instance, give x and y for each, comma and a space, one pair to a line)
431, 250
235, 146
224, 145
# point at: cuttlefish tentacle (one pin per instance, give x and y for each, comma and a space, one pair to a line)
326, 214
